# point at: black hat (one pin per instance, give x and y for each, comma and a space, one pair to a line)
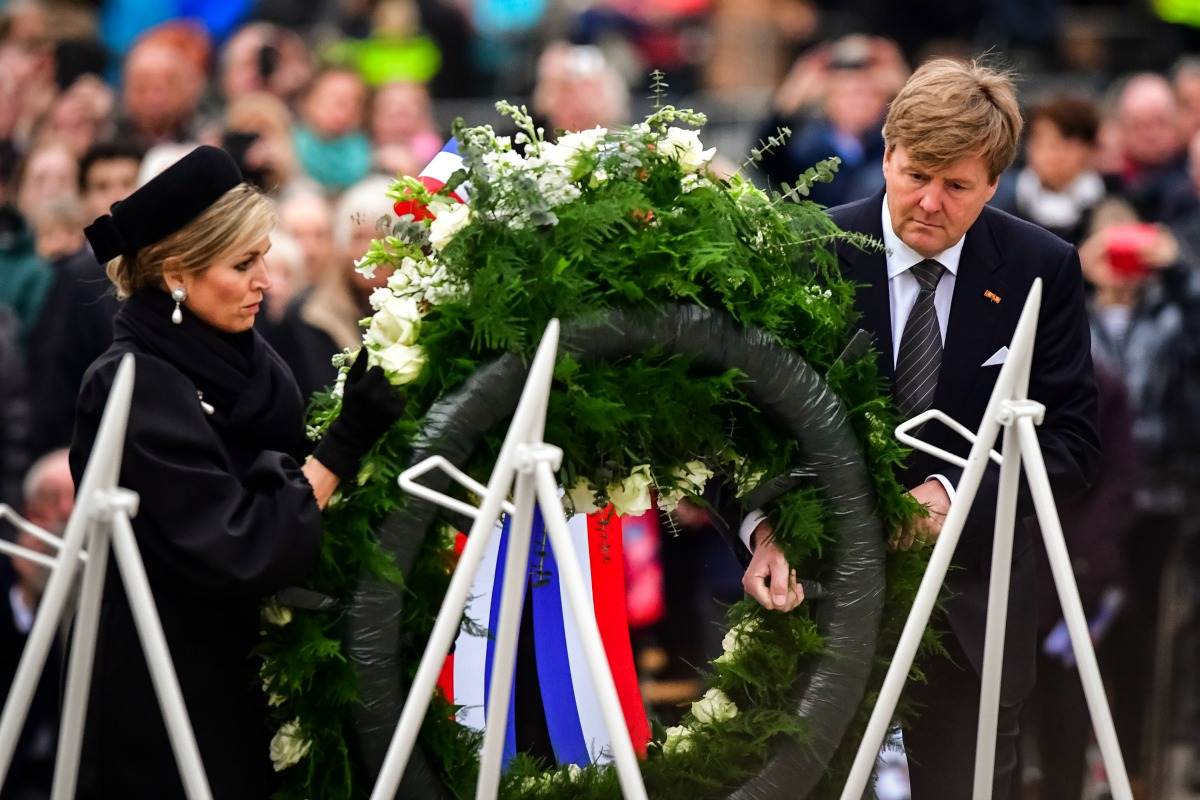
170, 200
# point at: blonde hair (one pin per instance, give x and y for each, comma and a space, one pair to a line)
239, 217
950, 110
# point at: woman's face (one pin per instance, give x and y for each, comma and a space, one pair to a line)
229, 294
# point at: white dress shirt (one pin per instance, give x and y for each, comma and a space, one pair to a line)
902, 295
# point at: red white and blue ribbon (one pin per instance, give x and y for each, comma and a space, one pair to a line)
575, 723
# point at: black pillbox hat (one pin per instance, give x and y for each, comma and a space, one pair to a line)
170, 200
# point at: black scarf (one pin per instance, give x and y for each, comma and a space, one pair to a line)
250, 389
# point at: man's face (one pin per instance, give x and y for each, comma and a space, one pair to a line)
932, 209
106, 183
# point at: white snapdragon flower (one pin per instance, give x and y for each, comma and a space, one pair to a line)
631, 496
288, 746
691, 480
571, 145
714, 706
685, 147
401, 363
398, 321
450, 218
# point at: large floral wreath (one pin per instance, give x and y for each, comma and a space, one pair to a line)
629, 219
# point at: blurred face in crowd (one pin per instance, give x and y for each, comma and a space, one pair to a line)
399, 112
309, 220
1149, 120
229, 294
51, 495
50, 174
57, 239
335, 106
854, 101
1055, 158
107, 182
241, 67
161, 89
931, 209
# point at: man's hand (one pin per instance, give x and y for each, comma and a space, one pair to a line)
769, 579
924, 530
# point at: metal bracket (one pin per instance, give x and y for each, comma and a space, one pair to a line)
408, 482
903, 435
527, 457
1013, 410
115, 501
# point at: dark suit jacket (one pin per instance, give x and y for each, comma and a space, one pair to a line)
1003, 255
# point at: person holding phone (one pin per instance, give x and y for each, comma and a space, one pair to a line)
1144, 312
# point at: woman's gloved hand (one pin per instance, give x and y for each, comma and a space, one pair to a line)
370, 405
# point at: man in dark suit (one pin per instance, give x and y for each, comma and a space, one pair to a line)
942, 303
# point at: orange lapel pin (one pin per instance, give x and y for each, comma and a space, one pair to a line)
990, 295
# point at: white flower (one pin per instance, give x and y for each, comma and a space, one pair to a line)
570, 145
679, 740
450, 219
275, 614
691, 479
631, 496
367, 270
691, 182
582, 498
379, 297
734, 637
275, 700
714, 706
401, 362
574, 772
287, 746
397, 322
685, 147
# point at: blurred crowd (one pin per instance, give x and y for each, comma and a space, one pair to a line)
322, 103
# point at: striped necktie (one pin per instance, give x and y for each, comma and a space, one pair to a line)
920, 346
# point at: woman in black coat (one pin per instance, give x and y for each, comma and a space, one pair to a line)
228, 513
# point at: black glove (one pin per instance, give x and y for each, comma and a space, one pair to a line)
370, 405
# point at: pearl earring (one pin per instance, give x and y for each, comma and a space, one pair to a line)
178, 295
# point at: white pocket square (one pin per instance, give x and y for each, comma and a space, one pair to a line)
997, 358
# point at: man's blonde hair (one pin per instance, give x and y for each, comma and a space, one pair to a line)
236, 220
950, 110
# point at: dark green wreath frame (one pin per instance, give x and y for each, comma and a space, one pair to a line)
828, 694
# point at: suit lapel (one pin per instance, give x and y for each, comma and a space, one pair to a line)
974, 311
868, 269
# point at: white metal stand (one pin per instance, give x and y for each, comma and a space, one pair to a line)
1010, 408
100, 518
532, 463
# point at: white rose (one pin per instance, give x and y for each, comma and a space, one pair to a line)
570, 145
690, 480
275, 614
450, 219
401, 362
679, 740
582, 498
733, 639
287, 746
685, 147
714, 706
398, 321
631, 496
